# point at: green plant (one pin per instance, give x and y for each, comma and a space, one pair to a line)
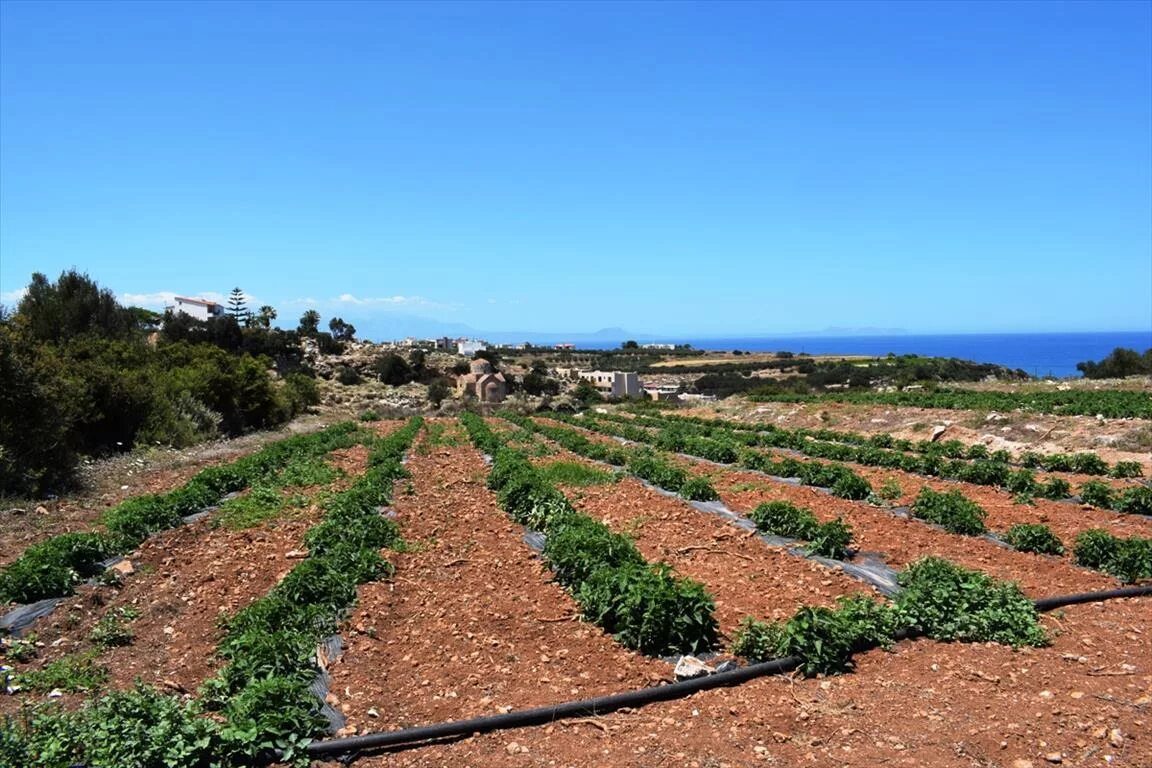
1055, 488
1127, 559
890, 490
948, 602
1028, 537
782, 518
1136, 500
830, 540
369, 415
757, 640
698, 488
574, 473
113, 629
1123, 469
950, 510
78, 672
263, 502
1097, 493
19, 650
305, 471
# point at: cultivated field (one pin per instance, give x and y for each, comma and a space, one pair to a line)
417, 544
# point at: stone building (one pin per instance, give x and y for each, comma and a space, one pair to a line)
485, 384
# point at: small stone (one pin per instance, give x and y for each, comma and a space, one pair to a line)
1021, 763
41, 510
55, 693
296, 554
689, 667
512, 749
372, 712
1054, 757
331, 699
124, 568
1077, 694
1116, 738
169, 631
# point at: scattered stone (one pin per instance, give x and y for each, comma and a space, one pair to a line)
296, 554
123, 568
41, 510
55, 693
937, 432
372, 712
1054, 757
689, 667
1116, 738
1021, 763
15, 511
726, 666
513, 748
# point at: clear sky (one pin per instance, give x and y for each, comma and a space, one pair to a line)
669, 168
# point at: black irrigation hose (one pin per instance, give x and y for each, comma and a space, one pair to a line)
605, 704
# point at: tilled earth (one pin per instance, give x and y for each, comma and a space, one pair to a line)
472, 625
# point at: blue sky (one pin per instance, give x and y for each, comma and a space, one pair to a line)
675, 169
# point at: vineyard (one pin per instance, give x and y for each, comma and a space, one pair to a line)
529, 587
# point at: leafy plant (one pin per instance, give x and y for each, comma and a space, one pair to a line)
948, 602
1127, 559
890, 490
574, 473
782, 518
1097, 493
1123, 469
77, 672
757, 640
113, 629
950, 510
1136, 500
698, 488
1029, 537
830, 540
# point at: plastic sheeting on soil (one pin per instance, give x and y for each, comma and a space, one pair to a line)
330, 649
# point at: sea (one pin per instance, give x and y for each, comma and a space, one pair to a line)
1038, 354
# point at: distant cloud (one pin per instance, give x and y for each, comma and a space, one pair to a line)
13, 297
161, 299
391, 302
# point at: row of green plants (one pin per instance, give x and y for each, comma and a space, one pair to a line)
938, 599
720, 442
781, 518
645, 606
839, 479
53, 567
643, 463
259, 704
950, 510
1113, 404
1128, 559
1082, 462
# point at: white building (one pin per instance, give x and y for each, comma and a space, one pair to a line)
658, 346
201, 309
614, 383
470, 346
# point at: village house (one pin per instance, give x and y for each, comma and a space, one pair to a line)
201, 309
614, 383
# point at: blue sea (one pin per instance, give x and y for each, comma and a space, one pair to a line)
1039, 354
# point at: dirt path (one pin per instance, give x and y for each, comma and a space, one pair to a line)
471, 624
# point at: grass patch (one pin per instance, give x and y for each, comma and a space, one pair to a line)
77, 672
260, 504
113, 629
575, 473
305, 471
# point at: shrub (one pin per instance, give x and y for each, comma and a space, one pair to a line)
1136, 500
1094, 548
1097, 493
1127, 469
647, 608
1027, 537
948, 602
1056, 488
577, 546
698, 488
950, 510
758, 641
830, 540
348, 375
782, 518
851, 486
301, 391
1127, 559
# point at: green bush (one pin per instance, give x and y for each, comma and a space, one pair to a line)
1127, 559
1123, 469
950, 510
1056, 488
757, 640
645, 607
577, 546
851, 486
782, 518
1097, 493
948, 602
698, 488
830, 540
53, 567
1028, 537
1136, 500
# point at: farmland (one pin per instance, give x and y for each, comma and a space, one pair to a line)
394, 574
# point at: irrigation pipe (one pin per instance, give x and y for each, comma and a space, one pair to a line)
605, 704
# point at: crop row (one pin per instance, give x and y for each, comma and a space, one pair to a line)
53, 567
1114, 404
937, 599
1081, 462
839, 479
1128, 559
718, 441
645, 606
260, 699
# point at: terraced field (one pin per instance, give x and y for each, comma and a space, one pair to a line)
360, 587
